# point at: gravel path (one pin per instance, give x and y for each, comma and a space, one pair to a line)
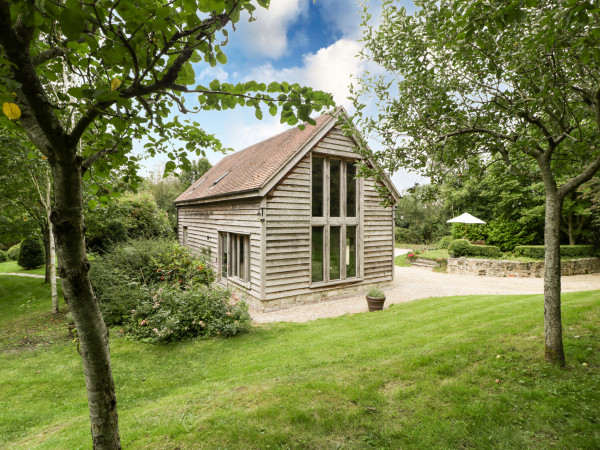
32, 275
413, 283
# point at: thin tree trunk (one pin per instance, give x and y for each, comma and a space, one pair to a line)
571, 230
554, 351
46, 238
51, 265
67, 218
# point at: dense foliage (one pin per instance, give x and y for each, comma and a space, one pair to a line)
3, 256
131, 216
123, 276
566, 251
461, 247
13, 252
171, 314
31, 254
444, 242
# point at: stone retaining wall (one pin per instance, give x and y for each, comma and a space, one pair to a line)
503, 268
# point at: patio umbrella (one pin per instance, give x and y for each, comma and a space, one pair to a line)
465, 218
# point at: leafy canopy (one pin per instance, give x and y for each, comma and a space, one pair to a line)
106, 73
469, 83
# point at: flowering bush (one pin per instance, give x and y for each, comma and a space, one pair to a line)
411, 257
171, 314
179, 267
123, 277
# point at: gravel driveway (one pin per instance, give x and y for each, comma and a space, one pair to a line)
413, 283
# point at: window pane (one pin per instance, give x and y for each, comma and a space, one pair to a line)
350, 251
224, 261
334, 187
242, 273
350, 190
234, 247
334, 253
317, 254
317, 187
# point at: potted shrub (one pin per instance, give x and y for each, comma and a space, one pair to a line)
375, 299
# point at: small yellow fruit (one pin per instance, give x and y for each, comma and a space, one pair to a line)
11, 110
115, 83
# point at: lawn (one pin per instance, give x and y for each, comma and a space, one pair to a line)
435, 373
13, 267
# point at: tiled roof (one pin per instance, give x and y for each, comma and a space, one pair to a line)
253, 167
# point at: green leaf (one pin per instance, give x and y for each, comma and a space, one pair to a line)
72, 22
222, 58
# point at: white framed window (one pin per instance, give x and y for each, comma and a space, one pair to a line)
334, 220
234, 256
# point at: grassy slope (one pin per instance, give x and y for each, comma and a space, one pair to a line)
420, 374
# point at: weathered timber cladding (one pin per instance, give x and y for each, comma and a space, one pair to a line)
288, 250
205, 221
280, 246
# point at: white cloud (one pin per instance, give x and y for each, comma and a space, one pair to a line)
211, 73
267, 36
330, 69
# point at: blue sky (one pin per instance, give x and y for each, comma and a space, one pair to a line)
299, 41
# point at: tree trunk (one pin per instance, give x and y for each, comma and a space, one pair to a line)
552, 315
571, 230
46, 239
51, 265
67, 218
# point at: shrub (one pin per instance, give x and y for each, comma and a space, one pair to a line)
566, 251
460, 247
3, 256
13, 252
444, 242
123, 276
487, 251
132, 216
172, 315
375, 292
31, 254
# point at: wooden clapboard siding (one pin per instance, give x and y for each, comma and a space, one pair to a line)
378, 246
287, 257
288, 233
205, 221
280, 246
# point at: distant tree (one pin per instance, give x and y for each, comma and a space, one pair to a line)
194, 172
25, 193
164, 190
472, 83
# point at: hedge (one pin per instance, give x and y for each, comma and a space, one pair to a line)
444, 242
13, 253
461, 247
566, 251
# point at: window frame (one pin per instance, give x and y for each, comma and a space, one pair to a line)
326, 221
231, 239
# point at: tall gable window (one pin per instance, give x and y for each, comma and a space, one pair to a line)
334, 219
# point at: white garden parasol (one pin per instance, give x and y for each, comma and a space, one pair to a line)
465, 218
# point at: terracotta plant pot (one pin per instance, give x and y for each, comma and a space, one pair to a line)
375, 303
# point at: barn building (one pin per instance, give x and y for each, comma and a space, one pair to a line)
286, 221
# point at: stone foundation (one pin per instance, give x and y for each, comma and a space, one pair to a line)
503, 268
304, 299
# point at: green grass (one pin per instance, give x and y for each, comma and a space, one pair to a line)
13, 267
418, 375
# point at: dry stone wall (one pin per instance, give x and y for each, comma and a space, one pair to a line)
504, 268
